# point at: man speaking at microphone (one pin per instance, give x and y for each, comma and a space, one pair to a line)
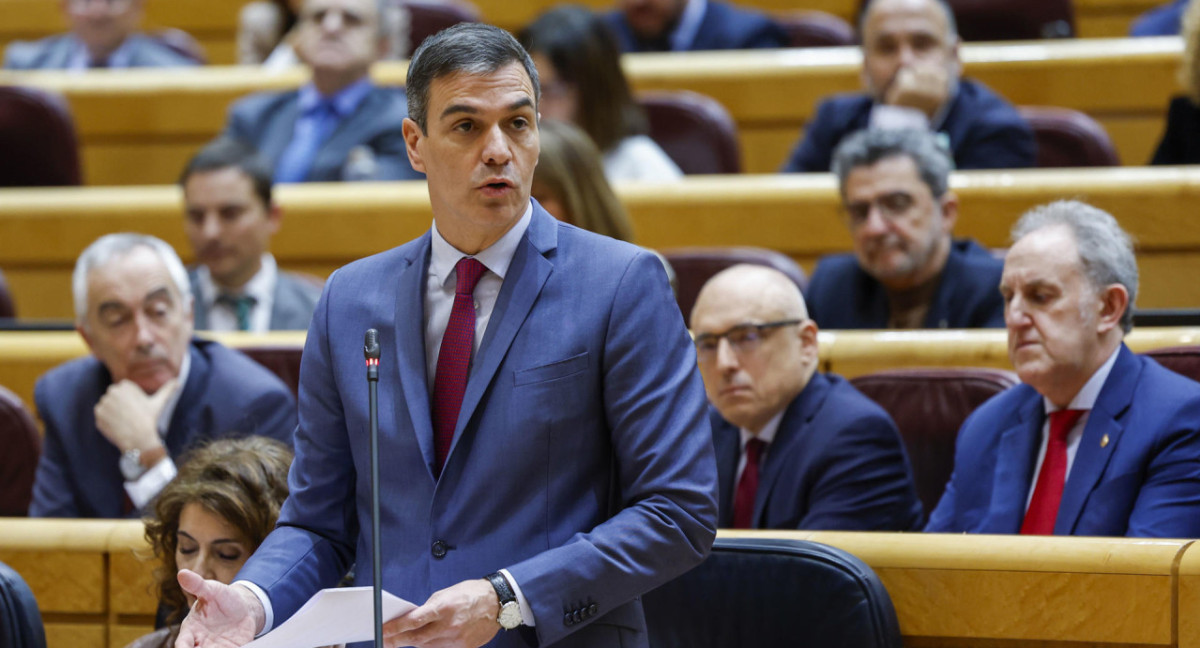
545, 452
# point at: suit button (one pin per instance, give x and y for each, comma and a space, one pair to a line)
439, 549
593, 609
567, 620
577, 616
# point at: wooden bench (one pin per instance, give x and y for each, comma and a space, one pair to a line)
94, 585
42, 231
141, 126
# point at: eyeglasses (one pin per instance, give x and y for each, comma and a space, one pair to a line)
744, 338
891, 206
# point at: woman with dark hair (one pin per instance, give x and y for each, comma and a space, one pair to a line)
212, 516
579, 66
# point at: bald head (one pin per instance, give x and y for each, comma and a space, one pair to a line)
756, 347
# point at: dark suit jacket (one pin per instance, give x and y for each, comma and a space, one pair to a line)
1180, 143
723, 27
1160, 21
841, 295
581, 462
836, 463
54, 53
226, 394
294, 302
985, 131
266, 121
1135, 473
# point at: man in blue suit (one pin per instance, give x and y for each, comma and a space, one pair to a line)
545, 448
796, 449
692, 25
1097, 441
339, 126
115, 421
912, 73
906, 270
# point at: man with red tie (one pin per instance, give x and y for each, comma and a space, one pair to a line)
1097, 441
796, 449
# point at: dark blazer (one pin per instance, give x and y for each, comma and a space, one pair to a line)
1160, 21
294, 302
841, 295
984, 130
1180, 143
1135, 473
266, 121
226, 394
582, 460
723, 27
836, 463
54, 53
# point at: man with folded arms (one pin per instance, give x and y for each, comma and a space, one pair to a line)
1097, 441
796, 449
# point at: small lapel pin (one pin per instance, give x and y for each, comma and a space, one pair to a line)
1104, 441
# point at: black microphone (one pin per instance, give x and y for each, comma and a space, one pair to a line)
371, 353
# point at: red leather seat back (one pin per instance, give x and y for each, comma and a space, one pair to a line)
695, 265
695, 130
20, 448
37, 136
929, 406
995, 20
810, 28
7, 307
1183, 360
428, 17
283, 361
1069, 138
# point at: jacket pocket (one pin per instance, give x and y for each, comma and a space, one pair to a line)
552, 371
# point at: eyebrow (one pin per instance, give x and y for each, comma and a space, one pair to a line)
471, 110
217, 541
158, 293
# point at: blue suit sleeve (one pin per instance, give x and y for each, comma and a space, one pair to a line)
1005, 142
52, 490
813, 152
1168, 503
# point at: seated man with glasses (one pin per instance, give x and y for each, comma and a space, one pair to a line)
103, 35
796, 449
906, 271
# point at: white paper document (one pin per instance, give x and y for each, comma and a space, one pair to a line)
333, 616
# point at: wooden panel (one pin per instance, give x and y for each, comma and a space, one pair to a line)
123, 634
62, 581
133, 589
76, 635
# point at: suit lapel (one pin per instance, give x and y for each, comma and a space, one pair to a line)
789, 434
726, 444
199, 306
1090, 458
523, 283
185, 420
410, 348
1015, 457
281, 130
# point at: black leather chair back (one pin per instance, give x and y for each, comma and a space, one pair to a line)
759, 593
20, 621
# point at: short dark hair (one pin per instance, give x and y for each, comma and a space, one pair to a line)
942, 5
225, 152
866, 147
584, 53
470, 48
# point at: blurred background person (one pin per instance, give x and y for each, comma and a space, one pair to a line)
266, 29
1180, 143
579, 67
569, 182
692, 25
212, 517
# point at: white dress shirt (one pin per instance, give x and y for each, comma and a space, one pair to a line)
222, 316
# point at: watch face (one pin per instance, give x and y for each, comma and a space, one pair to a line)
510, 615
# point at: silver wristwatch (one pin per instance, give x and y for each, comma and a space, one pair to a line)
131, 464
510, 609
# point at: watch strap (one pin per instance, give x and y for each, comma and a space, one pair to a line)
504, 591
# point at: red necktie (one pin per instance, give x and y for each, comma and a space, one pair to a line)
450, 380
1043, 506
747, 486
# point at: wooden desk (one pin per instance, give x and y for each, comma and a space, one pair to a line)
141, 126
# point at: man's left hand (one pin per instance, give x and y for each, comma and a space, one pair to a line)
460, 616
128, 416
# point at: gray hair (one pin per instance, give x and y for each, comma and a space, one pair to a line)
469, 48
866, 147
110, 246
1105, 250
951, 23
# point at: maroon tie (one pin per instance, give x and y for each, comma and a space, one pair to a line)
747, 486
1043, 506
450, 381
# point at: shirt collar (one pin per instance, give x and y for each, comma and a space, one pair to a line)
767, 434
168, 410
1086, 398
259, 286
344, 101
120, 57
689, 24
496, 257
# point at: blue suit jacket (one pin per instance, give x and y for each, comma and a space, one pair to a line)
582, 460
984, 130
1143, 482
1160, 21
841, 295
55, 52
836, 463
226, 394
723, 27
266, 121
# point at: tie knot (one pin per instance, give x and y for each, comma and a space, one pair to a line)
469, 270
754, 448
1062, 421
234, 301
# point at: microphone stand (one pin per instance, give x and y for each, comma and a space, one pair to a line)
371, 353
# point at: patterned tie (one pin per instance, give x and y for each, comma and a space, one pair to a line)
312, 129
747, 486
1043, 506
454, 358
240, 305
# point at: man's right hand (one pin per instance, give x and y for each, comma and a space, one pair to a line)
224, 616
924, 87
